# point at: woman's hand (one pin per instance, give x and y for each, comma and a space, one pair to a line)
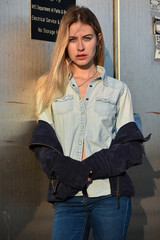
89, 179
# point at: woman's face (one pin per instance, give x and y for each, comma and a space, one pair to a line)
82, 45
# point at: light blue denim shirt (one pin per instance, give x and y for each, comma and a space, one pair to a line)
90, 122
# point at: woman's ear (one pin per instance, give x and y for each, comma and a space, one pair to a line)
99, 38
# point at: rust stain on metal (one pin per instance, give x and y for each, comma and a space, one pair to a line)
9, 141
16, 102
154, 112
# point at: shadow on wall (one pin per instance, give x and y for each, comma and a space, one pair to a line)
108, 65
143, 178
22, 186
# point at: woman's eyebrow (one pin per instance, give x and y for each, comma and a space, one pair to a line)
89, 34
86, 35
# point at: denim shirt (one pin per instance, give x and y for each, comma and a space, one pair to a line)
91, 122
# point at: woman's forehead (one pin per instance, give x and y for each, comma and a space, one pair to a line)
80, 28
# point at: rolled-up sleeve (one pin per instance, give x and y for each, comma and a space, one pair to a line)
125, 109
47, 117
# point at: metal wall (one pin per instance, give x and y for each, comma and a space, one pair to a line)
24, 212
142, 74
22, 184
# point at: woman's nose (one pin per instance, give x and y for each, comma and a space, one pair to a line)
80, 45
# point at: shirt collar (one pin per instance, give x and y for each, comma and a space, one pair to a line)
103, 75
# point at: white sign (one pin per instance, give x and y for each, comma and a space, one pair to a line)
157, 54
155, 5
157, 41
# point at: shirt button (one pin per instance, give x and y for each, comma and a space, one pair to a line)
80, 143
87, 99
82, 111
82, 127
90, 85
78, 159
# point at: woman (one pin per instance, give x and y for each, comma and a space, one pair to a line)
86, 137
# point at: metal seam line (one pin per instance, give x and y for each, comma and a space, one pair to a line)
116, 38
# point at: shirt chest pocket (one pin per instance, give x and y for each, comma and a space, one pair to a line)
63, 105
105, 106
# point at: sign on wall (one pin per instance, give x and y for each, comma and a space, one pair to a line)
46, 16
155, 5
155, 9
156, 32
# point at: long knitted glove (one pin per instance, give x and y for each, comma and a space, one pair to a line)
69, 171
115, 160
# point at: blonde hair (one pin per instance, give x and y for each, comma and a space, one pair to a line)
53, 84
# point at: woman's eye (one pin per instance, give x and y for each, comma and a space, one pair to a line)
72, 39
87, 38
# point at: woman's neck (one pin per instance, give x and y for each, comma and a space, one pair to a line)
84, 73
83, 77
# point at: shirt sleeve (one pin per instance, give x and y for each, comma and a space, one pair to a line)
125, 109
47, 117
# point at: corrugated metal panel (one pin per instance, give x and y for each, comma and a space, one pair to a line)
23, 186
24, 213
142, 74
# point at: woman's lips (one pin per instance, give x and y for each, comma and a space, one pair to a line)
81, 56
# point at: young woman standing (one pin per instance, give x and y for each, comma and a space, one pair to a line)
86, 137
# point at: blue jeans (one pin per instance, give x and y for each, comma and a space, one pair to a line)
74, 218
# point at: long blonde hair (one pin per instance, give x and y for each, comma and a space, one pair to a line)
53, 84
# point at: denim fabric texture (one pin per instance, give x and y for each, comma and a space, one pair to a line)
91, 122
74, 218
68, 176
